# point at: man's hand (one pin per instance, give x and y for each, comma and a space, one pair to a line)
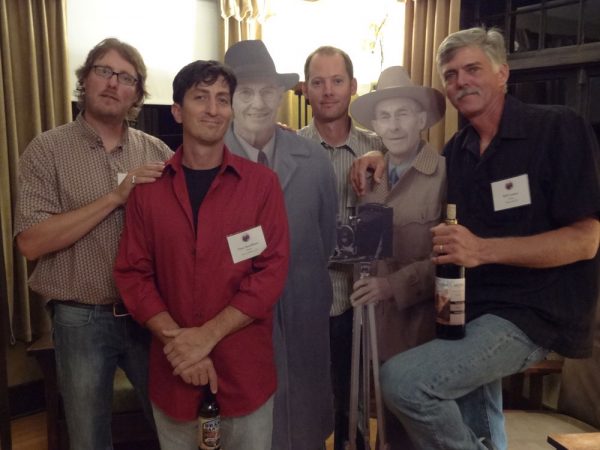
370, 290
201, 374
147, 173
188, 346
457, 245
285, 127
358, 172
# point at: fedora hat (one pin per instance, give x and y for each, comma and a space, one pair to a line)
251, 59
394, 82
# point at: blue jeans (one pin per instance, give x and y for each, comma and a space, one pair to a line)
252, 431
448, 395
89, 345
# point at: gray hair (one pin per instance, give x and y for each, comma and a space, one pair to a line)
490, 41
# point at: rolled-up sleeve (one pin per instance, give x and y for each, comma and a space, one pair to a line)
261, 289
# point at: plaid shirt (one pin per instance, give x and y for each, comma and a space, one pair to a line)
67, 168
358, 143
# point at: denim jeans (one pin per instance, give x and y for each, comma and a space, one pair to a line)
447, 394
252, 431
89, 345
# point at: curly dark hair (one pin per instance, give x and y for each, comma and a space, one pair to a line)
200, 71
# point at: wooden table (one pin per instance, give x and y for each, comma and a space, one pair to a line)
575, 441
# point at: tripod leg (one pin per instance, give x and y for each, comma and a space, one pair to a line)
366, 386
366, 380
355, 375
375, 361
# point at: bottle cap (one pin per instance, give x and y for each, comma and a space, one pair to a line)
451, 211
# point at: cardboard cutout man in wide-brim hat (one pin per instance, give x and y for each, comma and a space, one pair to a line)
251, 60
394, 82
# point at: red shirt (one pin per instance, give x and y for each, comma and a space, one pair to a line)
163, 266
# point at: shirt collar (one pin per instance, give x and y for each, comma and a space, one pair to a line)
230, 161
513, 125
352, 141
90, 134
252, 151
425, 161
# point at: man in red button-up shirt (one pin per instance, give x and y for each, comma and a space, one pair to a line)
202, 260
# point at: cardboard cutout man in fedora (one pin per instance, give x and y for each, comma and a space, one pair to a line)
414, 185
303, 408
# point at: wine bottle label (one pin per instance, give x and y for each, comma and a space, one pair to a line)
450, 301
209, 433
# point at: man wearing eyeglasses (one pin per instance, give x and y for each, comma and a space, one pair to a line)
73, 183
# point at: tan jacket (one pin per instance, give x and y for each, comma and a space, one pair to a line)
408, 319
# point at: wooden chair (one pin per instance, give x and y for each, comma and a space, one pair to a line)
514, 398
529, 424
130, 428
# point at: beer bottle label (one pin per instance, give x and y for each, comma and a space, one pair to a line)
450, 301
209, 433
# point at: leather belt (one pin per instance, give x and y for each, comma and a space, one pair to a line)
117, 309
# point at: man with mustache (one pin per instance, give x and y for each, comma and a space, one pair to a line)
526, 183
74, 181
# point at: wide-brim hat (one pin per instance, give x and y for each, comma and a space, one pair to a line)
251, 60
394, 82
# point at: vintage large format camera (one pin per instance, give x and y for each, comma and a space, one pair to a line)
367, 236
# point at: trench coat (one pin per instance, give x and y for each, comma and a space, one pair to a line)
303, 404
408, 319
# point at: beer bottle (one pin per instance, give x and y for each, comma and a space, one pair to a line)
209, 422
450, 293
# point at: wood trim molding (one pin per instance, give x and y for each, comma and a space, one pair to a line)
554, 57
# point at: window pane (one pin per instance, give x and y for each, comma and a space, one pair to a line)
517, 4
496, 21
527, 31
594, 115
561, 26
591, 21
544, 92
491, 8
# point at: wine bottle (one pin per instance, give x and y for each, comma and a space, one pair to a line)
450, 293
209, 422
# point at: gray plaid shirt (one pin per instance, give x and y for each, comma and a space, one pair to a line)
358, 143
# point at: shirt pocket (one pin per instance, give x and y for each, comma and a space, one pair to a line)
412, 230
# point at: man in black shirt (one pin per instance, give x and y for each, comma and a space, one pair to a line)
526, 182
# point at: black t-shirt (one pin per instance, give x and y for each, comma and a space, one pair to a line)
198, 182
559, 154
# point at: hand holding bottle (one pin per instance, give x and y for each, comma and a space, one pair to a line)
449, 285
455, 244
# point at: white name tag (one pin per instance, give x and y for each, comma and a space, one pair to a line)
247, 244
511, 193
120, 177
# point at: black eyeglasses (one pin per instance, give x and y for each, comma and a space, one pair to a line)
122, 77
